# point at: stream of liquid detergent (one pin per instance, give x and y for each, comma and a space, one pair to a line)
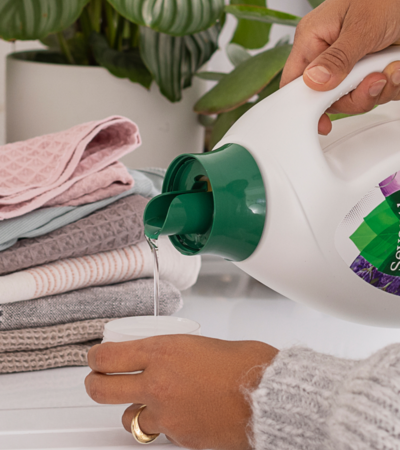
154, 249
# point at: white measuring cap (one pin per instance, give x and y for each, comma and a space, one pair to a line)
132, 328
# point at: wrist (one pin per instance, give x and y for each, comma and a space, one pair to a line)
293, 400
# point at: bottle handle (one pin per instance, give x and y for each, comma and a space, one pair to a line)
293, 113
321, 101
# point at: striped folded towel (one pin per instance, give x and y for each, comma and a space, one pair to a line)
116, 266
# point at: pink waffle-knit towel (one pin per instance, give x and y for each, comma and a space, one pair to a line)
72, 167
106, 183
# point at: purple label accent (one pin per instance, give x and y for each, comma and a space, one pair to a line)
373, 276
390, 185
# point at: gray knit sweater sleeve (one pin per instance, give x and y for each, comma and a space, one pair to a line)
310, 401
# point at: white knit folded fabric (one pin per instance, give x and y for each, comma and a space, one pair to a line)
128, 263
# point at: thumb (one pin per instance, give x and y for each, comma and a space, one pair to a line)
332, 66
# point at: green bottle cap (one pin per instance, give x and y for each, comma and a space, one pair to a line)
212, 203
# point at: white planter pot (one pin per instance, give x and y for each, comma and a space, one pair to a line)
45, 98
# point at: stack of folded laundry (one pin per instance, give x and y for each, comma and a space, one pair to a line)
72, 249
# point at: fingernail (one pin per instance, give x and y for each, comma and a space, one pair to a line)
319, 74
396, 77
377, 87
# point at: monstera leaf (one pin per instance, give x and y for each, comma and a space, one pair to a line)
35, 19
174, 17
174, 60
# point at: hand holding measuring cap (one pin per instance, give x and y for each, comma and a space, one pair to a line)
192, 386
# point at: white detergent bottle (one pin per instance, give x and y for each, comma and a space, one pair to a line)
315, 218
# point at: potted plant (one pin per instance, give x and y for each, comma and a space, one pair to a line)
152, 47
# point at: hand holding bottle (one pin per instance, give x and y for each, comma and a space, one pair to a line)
332, 38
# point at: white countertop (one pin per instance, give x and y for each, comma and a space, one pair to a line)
50, 409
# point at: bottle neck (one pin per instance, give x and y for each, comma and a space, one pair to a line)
212, 203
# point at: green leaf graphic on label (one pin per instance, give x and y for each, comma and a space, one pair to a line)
378, 237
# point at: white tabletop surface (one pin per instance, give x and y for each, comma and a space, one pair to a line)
50, 409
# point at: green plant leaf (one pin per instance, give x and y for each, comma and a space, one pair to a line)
35, 19
237, 54
339, 116
125, 64
250, 34
174, 60
48, 57
207, 121
246, 80
79, 47
52, 41
283, 41
315, 3
211, 76
334, 117
261, 14
272, 87
225, 121
76, 41
174, 17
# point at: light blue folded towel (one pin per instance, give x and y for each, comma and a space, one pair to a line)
148, 183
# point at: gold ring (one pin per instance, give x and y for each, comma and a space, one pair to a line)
137, 433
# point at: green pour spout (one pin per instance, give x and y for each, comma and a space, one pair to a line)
179, 213
211, 203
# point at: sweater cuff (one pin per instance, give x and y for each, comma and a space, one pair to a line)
293, 401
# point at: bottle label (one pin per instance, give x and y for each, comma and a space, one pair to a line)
368, 239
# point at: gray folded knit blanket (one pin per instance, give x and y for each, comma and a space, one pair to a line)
116, 226
67, 355
54, 336
132, 298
